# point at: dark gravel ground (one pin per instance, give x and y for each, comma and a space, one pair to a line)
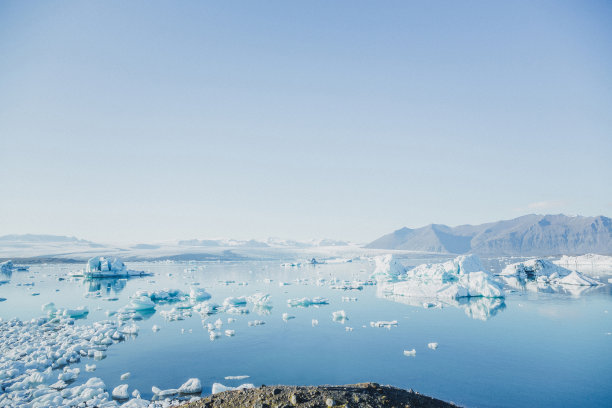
367, 395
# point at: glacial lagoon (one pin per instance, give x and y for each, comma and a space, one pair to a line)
536, 347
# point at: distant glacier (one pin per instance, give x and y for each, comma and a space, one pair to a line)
529, 235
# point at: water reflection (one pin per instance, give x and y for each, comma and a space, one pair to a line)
539, 286
479, 308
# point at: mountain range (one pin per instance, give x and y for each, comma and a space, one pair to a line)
529, 235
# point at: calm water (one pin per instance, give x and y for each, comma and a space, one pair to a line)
534, 349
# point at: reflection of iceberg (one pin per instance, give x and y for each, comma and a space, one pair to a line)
106, 285
544, 286
480, 308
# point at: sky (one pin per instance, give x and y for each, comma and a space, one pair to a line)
143, 121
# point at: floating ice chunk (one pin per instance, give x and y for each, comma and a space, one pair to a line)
136, 394
81, 311
383, 323
306, 302
125, 376
535, 268
49, 308
230, 333
256, 323
129, 329
410, 353
387, 268
287, 316
90, 368
198, 294
59, 385
102, 267
164, 393
120, 392
192, 386
315, 322
136, 403
259, 299
348, 329
140, 303
339, 316
155, 328
234, 302
432, 346
69, 374
578, 279
218, 387
99, 355
214, 335
236, 377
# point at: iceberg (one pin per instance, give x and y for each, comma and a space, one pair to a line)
387, 268
339, 316
259, 299
218, 387
306, 302
410, 353
198, 294
544, 273
192, 386
120, 392
588, 264
461, 277
103, 267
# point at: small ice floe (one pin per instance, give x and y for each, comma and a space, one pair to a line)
283, 283
432, 346
259, 299
339, 316
256, 323
287, 316
69, 374
155, 328
348, 286
315, 322
125, 376
192, 386
120, 392
90, 368
348, 329
306, 302
99, 355
218, 387
129, 329
230, 333
140, 303
230, 320
383, 323
236, 377
198, 294
164, 393
214, 335
234, 302
410, 353
349, 299
59, 385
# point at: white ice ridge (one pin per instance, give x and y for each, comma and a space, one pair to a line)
387, 268
546, 272
218, 387
458, 278
102, 267
588, 264
306, 302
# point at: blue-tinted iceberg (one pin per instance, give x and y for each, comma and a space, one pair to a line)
103, 267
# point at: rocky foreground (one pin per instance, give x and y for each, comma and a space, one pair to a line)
367, 395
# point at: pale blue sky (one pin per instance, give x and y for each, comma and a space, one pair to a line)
150, 120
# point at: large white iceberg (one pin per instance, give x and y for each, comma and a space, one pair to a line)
103, 267
387, 268
458, 278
